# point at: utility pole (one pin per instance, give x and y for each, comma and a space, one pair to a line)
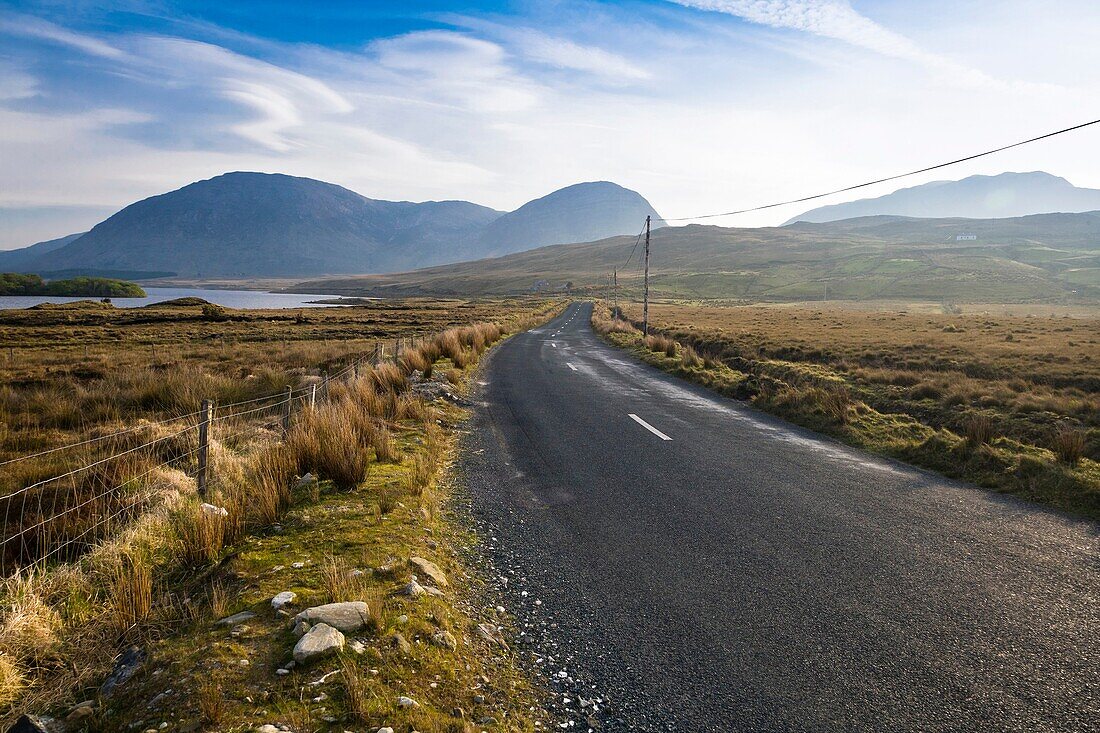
615, 280
645, 297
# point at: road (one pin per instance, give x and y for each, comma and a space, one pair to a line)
696, 565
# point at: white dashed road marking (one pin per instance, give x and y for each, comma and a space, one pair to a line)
647, 426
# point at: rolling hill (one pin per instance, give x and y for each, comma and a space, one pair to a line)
980, 197
1043, 257
271, 225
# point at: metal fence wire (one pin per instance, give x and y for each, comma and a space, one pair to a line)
116, 477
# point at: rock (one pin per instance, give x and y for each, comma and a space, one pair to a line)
283, 599
384, 730
237, 618
28, 724
413, 589
407, 702
433, 591
301, 629
81, 712
306, 479
297, 565
403, 619
321, 641
126, 666
357, 646
491, 634
399, 642
445, 639
429, 569
348, 617
267, 728
282, 671
214, 511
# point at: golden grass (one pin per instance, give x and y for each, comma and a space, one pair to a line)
1002, 401
80, 609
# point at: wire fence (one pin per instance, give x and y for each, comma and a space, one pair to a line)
116, 477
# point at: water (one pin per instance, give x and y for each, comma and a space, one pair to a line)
246, 299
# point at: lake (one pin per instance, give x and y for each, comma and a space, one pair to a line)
247, 299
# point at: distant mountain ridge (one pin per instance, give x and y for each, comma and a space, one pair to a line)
1043, 257
976, 197
272, 225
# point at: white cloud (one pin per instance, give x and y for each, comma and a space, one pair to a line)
725, 116
30, 27
838, 20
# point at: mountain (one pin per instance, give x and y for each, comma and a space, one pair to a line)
583, 212
15, 259
1046, 257
272, 225
258, 224
976, 197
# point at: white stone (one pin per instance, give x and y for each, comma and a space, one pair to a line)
283, 599
348, 617
214, 511
407, 702
321, 641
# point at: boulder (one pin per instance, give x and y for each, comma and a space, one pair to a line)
349, 617
283, 599
430, 570
28, 724
321, 641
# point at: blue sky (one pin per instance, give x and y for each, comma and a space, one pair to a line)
701, 105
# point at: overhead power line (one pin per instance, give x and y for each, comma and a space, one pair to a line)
884, 180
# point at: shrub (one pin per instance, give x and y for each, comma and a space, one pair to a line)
689, 357
201, 535
339, 581
331, 443
131, 592
979, 430
835, 403
214, 312
1068, 444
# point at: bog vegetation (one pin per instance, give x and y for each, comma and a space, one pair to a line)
146, 563
1008, 402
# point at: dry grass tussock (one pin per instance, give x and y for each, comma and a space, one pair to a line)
82, 609
1002, 401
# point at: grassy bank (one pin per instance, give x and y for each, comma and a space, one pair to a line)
379, 445
1008, 403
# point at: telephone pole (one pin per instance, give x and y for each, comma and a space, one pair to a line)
615, 287
645, 297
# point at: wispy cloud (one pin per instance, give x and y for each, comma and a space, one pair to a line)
500, 108
838, 20
31, 27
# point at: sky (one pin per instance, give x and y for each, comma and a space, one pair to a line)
700, 105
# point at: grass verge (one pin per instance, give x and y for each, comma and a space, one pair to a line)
842, 400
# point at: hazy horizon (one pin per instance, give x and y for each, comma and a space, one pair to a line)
699, 105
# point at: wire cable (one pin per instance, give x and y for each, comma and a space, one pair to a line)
888, 178
127, 431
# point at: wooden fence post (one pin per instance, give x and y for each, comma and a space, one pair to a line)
313, 396
324, 386
204, 444
286, 409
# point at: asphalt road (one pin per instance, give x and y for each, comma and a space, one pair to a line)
695, 565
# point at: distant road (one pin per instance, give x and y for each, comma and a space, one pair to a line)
711, 568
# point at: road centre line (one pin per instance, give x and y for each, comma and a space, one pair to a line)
571, 366
647, 426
